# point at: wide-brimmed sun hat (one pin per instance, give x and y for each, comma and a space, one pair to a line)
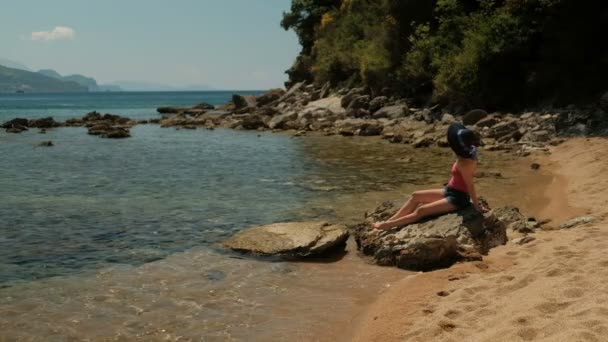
460, 140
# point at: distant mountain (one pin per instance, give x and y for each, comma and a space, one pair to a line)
50, 73
16, 80
150, 86
12, 64
88, 82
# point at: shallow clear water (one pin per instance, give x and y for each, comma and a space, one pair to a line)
88, 201
112, 239
117, 239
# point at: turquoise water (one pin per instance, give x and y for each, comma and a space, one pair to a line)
137, 105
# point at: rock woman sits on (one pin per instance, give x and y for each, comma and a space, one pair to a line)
458, 194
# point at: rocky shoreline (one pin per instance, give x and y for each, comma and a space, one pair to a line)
353, 112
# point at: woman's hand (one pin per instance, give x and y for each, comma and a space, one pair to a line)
479, 207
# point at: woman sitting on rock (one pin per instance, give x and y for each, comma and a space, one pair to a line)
458, 194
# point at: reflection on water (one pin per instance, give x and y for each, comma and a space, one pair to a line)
116, 240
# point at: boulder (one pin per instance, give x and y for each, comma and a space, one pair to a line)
279, 121
226, 107
75, 122
195, 111
116, 133
447, 119
324, 92
16, 122
424, 141
432, 243
425, 115
502, 129
346, 99
377, 102
358, 102
331, 103
514, 219
204, 105
474, 116
48, 122
574, 123
92, 116
244, 101
293, 239
270, 96
487, 122
16, 129
391, 112
115, 118
349, 127
370, 129
536, 136
174, 120
169, 110
251, 121
45, 143
292, 91
98, 129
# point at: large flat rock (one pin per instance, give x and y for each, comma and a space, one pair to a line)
294, 239
433, 243
332, 103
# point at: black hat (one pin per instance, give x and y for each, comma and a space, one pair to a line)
461, 140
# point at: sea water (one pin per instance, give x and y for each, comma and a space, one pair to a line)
107, 239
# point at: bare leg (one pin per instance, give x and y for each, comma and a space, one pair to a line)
418, 198
435, 208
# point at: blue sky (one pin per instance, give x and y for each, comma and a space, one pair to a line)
226, 44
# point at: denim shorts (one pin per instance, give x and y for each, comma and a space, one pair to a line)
458, 198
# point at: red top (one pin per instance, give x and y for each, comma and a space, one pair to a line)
457, 181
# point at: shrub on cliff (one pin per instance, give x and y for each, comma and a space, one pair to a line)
494, 53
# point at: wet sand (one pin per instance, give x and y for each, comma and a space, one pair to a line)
551, 289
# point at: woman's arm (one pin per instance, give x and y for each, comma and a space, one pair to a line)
467, 169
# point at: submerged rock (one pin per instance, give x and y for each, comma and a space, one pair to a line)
434, 242
294, 239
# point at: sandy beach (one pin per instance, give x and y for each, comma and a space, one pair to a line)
551, 289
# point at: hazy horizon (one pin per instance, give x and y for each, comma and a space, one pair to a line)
235, 44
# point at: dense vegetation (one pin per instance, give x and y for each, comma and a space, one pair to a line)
492, 53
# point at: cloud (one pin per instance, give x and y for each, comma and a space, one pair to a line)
58, 33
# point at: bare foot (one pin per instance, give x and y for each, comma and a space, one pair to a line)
381, 226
